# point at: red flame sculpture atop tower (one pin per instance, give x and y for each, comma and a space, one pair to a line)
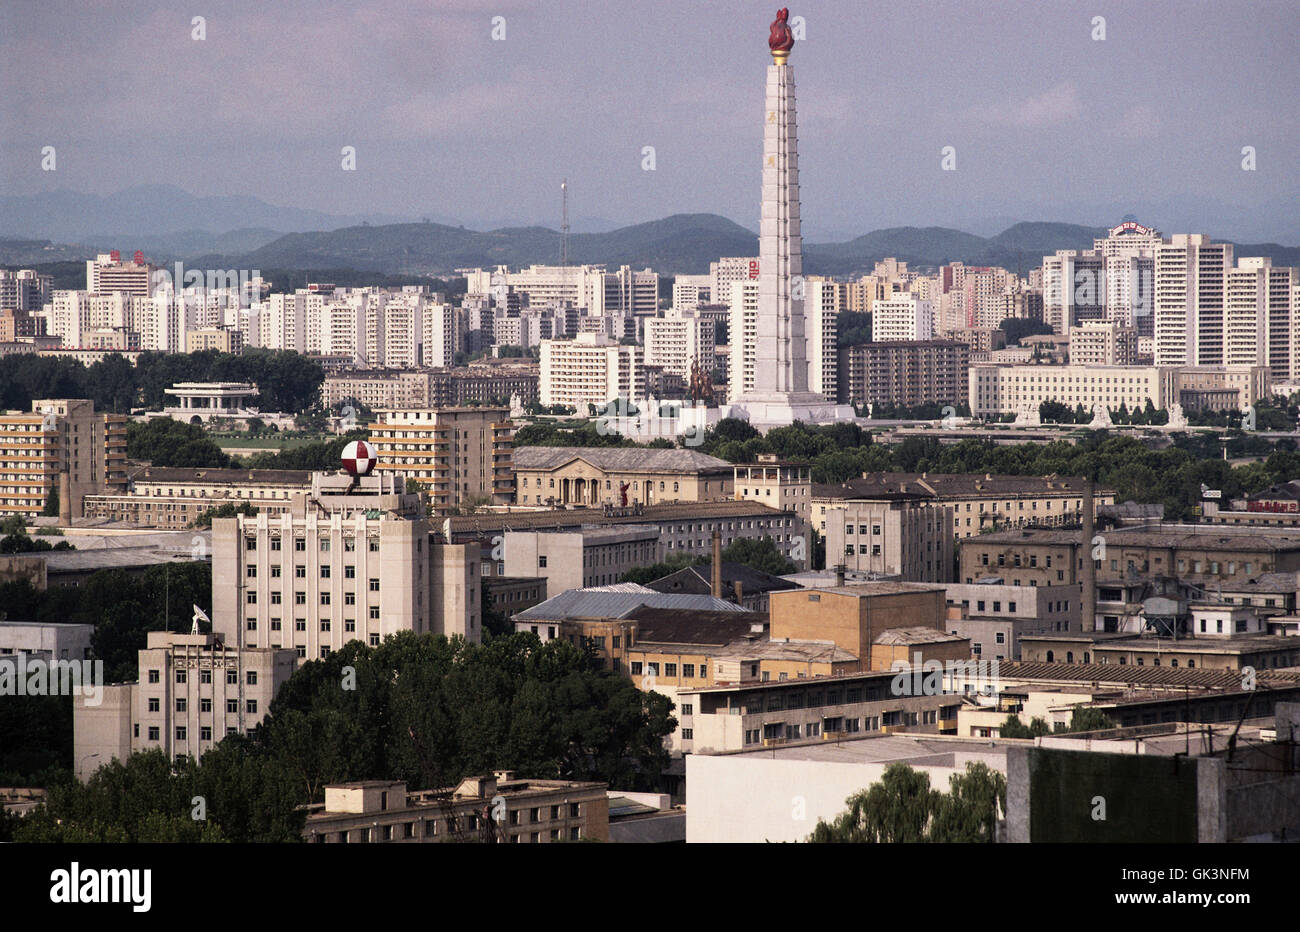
781, 40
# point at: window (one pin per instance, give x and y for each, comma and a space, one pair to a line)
275, 571
349, 572
541, 562
232, 678
232, 706
688, 734
325, 571
670, 669
251, 706
154, 705
251, 570
374, 584
636, 668
688, 672
153, 732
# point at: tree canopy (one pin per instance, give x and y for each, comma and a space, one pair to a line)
904, 808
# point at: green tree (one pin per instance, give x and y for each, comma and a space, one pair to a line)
760, 554
903, 807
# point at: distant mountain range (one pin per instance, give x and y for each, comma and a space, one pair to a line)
254, 238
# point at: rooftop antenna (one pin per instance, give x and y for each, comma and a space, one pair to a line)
564, 222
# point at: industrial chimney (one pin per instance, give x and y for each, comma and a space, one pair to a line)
839, 575
716, 583
1089, 567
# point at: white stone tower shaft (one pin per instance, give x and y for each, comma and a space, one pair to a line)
780, 351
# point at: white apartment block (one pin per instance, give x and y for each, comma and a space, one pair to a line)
1103, 343
726, 272
403, 331
821, 310
742, 332
678, 340
1188, 300
106, 273
443, 334
1073, 288
589, 369
821, 307
284, 322
1260, 318
902, 317
692, 290
584, 286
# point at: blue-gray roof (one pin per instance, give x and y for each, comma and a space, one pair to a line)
588, 603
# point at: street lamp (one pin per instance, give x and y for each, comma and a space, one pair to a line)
86, 757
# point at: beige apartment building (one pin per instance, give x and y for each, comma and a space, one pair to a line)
59, 436
592, 556
787, 486
893, 533
174, 496
222, 339
193, 691
978, 503
499, 808
904, 373
1103, 343
459, 455
619, 476
433, 388
342, 564
1210, 556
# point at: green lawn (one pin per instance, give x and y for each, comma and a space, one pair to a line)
273, 442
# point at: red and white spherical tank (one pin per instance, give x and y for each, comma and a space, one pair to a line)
359, 458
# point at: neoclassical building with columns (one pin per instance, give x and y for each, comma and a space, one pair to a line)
598, 476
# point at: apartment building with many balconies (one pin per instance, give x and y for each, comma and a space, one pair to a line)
59, 436
459, 455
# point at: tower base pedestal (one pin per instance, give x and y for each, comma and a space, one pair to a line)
781, 410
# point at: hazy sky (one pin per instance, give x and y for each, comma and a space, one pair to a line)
1047, 123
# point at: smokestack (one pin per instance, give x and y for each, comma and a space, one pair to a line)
65, 500
839, 575
716, 587
1089, 568
740, 592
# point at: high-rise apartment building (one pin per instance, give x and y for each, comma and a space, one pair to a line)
678, 339
1188, 303
458, 455
24, 289
902, 317
821, 300
904, 373
59, 435
107, 273
590, 370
